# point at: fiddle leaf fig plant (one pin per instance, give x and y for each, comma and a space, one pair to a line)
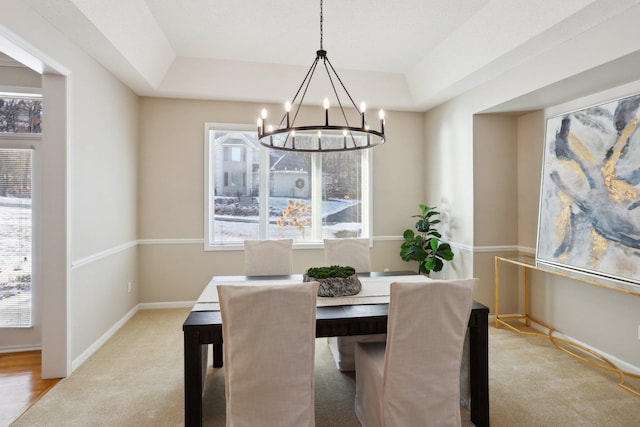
425, 245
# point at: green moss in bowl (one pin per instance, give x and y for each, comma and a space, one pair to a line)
332, 271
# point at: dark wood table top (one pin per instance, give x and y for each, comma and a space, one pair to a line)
213, 319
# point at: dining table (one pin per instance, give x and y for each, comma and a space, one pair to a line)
361, 314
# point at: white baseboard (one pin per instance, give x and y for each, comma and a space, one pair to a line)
77, 362
18, 348
159, 305
621, 364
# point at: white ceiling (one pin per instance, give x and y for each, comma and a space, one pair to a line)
397, 54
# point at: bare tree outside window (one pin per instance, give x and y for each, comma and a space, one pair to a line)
20, 115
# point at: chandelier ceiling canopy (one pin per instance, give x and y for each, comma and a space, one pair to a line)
322, 137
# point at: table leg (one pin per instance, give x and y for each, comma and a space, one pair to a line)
217, 355
192, 379
479, 367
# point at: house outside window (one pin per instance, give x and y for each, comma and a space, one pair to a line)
252, 192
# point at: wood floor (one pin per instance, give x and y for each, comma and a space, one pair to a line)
20, 384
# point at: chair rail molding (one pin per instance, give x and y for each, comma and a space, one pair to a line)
186, 241
103, 254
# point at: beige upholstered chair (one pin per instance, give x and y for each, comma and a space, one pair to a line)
269, 348
268, 257
414, 380
355, 253
352, 252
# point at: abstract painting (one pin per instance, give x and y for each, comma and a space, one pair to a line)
589, 217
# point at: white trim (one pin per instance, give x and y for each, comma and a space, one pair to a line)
207, 182
236, 246
619, 363
310, 245
526, 249
103, 254
78, 361
197, 241
505, 248
463, 247
24, 53
20, 91
485, 249
19, 348
161, 305
469, 248
387, 238
21, 140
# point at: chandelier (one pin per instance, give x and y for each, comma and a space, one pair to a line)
323, 137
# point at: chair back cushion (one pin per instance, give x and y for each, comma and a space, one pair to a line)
351, 252
269, 348
268, 257
425, 336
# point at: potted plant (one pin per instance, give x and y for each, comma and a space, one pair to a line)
425, 245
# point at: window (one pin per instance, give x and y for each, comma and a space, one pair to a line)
253, 192
20, 129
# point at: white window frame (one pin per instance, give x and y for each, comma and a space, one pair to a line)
316, 193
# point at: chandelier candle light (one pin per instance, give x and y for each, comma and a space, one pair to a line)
321, 137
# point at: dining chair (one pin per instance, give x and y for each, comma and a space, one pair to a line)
414, 379
268, 257
354, 253
269, 348
351, 252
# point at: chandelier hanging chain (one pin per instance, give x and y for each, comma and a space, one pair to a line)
321, 20
326, 136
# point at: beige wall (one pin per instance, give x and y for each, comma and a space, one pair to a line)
530, 129
448, 168
173, 263
19, 77
495, 208
495, 187
103, 194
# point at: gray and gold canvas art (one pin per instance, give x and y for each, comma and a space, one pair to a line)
590, 196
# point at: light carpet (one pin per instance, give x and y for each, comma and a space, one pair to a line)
136, 379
